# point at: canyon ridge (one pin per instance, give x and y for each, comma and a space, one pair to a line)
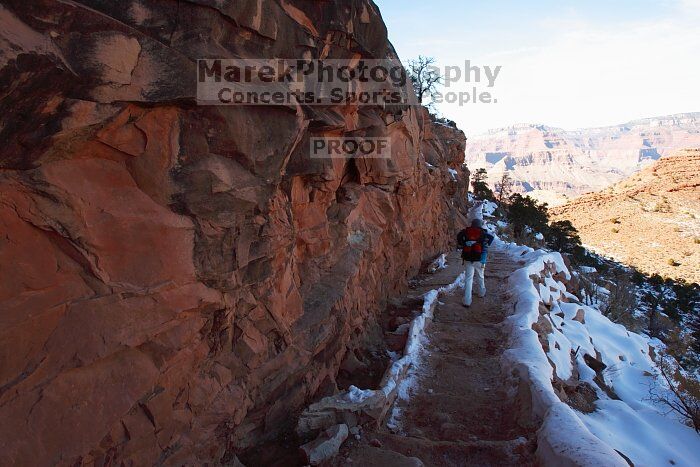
554, 165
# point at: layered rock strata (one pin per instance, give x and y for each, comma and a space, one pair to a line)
178, 280
552, 164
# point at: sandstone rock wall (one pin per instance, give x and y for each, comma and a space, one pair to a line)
177, 280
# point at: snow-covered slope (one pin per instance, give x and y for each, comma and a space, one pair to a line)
554, 342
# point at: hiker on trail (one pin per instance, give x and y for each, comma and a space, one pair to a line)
474, 242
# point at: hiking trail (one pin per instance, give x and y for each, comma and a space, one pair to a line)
458, 412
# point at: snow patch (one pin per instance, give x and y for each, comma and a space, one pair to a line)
489, 208
439, 263
357, 395
409, 364
563, 438
633, 425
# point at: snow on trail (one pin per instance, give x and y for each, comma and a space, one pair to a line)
453, 408
479, 388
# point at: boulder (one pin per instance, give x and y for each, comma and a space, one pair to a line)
580, 316
326, 446
594, 363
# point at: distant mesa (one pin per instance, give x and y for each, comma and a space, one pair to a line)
558, 164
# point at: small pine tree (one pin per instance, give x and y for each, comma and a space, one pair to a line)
562, 236
478, 179
504, 188
524, 212
682, 308
621, 303
480, 188
656, 300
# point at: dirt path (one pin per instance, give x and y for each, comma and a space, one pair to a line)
458, 412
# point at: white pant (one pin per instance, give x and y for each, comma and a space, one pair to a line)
469, 271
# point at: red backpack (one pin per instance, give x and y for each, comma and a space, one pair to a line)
474, 244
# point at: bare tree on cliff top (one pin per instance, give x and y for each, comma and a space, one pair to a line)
425, 77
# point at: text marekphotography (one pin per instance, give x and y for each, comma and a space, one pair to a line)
303, 82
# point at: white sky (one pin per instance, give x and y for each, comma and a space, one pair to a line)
567, 64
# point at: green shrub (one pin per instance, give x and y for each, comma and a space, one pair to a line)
524, 211
480, 188
562, 236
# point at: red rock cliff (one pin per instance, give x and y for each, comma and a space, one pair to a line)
176, 280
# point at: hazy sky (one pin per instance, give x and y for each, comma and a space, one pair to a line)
565, 63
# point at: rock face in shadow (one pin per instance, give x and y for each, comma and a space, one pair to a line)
178, 280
